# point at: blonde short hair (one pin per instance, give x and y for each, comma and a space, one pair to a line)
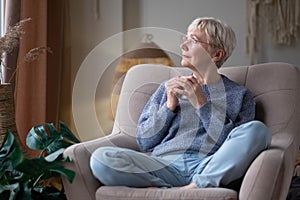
219, 35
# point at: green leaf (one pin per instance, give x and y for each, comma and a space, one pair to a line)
56, 144
7, 144
45, 137
25, 192
67, 133
36, 138
54, 155
13, 190
66, 172
10, 156
40, 168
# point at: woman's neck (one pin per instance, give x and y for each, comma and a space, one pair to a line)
208, 75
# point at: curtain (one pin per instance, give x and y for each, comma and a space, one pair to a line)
42, 86
59, 66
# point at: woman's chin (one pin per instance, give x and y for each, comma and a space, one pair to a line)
185, 63
188, 65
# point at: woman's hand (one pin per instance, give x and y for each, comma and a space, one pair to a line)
172, 100
188, 86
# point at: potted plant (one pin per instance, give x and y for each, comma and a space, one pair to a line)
8, 42
24, 178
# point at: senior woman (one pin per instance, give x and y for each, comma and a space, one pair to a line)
196, 130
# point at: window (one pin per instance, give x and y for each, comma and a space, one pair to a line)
1, 29
2, 17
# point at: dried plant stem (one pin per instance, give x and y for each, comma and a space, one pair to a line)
10, 40
31, 56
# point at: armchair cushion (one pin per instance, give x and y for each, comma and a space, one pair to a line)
125, 193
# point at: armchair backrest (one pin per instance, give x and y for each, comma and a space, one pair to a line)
275, 87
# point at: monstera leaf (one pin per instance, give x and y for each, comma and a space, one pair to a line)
20, 178
39, 168
45, 137
10, 157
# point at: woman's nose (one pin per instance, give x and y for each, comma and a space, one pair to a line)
183, 46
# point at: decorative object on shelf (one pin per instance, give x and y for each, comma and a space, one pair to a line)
282, 20
146, 51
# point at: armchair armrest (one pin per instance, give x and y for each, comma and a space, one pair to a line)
85, 185
270, 174
260, 179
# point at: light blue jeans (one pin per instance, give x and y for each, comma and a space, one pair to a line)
115, 166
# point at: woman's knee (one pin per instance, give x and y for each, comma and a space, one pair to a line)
98, 158
107, 156
100, 164
258, 132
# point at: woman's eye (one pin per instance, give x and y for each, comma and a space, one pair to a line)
194, 41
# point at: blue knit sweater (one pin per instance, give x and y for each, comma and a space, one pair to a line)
187, 129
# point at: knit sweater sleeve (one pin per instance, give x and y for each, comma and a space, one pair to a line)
247, 111
154, 121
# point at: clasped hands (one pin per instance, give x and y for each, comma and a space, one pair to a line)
187, 86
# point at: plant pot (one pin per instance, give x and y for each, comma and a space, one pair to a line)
7, 115
7, 111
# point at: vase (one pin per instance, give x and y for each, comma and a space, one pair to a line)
7, 115
7, 112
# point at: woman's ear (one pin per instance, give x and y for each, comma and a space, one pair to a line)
218, 55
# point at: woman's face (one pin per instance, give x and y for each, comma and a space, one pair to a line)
194, 49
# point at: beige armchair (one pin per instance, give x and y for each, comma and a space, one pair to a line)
276, 90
